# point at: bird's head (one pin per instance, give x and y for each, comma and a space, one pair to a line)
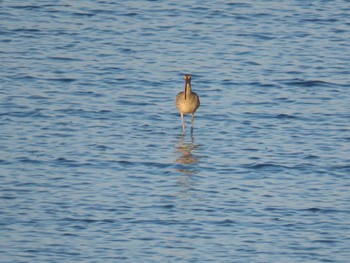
187, 78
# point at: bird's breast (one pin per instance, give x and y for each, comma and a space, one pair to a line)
190, 105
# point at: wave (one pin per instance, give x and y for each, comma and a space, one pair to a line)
308, 83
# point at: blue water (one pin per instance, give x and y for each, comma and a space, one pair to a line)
93, 167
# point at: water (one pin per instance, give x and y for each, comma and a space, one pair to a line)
93, 167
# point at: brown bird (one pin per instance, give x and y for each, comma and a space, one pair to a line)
187, 102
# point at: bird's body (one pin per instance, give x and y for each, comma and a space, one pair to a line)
188, 105
187, 102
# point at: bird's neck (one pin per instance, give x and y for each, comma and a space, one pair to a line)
188, 89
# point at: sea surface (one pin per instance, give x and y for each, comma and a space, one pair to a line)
93, 163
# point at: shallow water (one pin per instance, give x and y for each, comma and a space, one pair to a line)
93, 166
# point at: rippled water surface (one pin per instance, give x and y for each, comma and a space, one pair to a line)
93, 166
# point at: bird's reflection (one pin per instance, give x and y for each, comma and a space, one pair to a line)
185, 156
186, 160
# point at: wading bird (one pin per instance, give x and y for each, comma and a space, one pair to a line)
187, 102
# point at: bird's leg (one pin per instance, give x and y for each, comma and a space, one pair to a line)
192, 122
183, 123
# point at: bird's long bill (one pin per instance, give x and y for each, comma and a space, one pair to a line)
186, 87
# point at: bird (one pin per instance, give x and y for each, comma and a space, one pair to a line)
187, 102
